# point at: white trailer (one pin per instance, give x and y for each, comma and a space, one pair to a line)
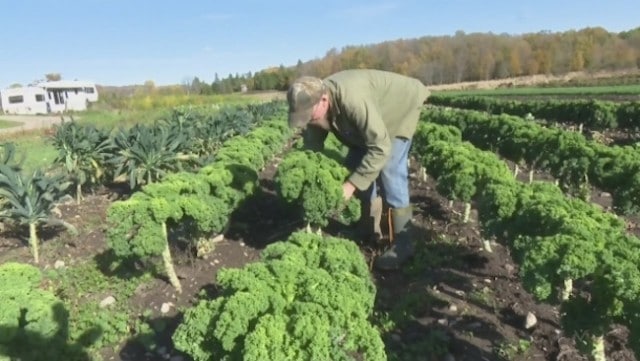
49, 97
27, 100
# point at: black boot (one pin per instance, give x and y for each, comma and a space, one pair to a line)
402, 248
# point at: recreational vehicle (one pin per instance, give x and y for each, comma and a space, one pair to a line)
49, 97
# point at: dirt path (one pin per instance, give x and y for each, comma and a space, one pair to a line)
29, 122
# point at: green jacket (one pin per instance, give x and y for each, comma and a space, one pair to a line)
368, 109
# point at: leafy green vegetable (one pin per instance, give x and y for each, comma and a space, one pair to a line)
309, 298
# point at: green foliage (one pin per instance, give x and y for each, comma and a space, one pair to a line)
94, 327
206, 128
29, 200
554, 238
509, 350
203, 201
428, 133
83, 151
193, 205
82, 286
308, 299
568, 156
33, 321
594, 114
19, 276
8, 153
461, 170
145, 154
137, 225
313, 182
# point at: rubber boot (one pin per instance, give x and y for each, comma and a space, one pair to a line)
375, 215
402, 248
369, 226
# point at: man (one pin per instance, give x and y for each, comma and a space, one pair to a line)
375, 114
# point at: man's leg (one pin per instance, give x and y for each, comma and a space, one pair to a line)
395, 180
371, 203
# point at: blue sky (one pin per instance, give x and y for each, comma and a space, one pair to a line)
118, 42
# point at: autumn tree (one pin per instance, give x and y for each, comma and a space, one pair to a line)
53, 76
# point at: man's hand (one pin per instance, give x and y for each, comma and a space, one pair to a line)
347, 190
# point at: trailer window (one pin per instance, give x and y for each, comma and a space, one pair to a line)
16, 99
39, 97
89, 90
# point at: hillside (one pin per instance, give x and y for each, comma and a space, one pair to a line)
537, 80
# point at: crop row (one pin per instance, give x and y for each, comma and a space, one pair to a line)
193, 204
568, 156
593, 114
569, 250
88, 156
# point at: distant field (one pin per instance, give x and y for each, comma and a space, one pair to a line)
563, 91
268, 95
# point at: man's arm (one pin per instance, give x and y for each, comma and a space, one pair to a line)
377, 141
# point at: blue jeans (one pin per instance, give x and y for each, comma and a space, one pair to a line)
394, 175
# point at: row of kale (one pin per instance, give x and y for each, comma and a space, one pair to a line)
593, 114
143, 154
261, 303
570, 251
91, 156
196, 203
568, 156
308, 298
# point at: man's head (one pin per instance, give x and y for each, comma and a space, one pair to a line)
308, 101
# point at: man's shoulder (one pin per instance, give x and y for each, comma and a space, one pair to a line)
357, 73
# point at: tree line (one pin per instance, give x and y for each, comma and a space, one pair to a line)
457, 58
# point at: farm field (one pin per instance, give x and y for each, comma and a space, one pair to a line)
454, 301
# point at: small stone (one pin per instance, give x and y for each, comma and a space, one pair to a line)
605, 195
443, 322
108, 301
509, 267
162, 350
530, 320
453, 308
166, 307
395, 337
486, 280
59, 264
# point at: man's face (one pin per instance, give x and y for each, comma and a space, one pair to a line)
319, 114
